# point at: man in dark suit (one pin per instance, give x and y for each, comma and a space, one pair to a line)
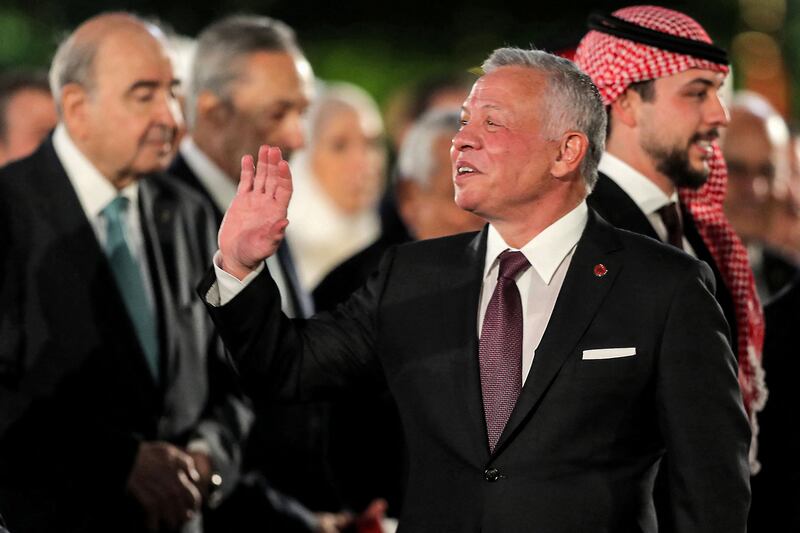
118, 411
539, 372
776, 488
250, 84
662, 174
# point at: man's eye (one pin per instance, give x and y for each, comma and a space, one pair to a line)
143, 96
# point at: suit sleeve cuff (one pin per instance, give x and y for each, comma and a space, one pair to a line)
227, 286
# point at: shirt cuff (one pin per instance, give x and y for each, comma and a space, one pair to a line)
228, 286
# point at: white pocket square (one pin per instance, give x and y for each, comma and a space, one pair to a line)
608, 353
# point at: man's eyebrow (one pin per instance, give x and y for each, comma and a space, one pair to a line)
151, 84
702, 81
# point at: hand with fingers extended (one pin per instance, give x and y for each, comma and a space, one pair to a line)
164, 482
255, 222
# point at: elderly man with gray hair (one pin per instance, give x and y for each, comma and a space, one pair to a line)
539, 373
250, 84
118, 409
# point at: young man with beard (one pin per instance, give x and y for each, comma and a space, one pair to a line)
662, 174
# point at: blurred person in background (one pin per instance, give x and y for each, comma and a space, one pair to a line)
784, 229
27, 113
776, 487
368, 459
756, 147
425, 194
119, 410
406, 105
338, 179
249, 83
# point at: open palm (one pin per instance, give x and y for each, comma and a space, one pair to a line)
255, 222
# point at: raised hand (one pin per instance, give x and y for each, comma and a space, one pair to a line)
255, 222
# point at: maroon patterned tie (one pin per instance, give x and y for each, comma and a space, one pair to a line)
500, 347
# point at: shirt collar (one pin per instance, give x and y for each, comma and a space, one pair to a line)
93, 189
642, 190
219, 186
547, 250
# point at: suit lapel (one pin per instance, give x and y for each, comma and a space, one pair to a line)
81, 262
578, 302
619, 209
462, 281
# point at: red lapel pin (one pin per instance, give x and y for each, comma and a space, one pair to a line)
600, 270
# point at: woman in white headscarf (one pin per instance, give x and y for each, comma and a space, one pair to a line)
338, 179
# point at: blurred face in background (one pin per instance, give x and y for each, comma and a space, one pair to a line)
126, 124
430, 210
266, 106
29, 117
757, 173
347, 160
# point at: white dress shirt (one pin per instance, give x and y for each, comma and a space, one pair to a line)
95, 192
222, 190
550, 254
644, 194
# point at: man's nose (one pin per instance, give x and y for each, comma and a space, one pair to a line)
168, 111
293, 136
716, 112
465, 139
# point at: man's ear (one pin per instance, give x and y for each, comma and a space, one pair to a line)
213, 109
75, 109
624, 110
572, 149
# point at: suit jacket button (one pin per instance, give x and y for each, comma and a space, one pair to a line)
492, 474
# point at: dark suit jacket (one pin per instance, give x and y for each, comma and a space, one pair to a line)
581, 448
776, 489
288, 443
77, 397
367, 454
614, 205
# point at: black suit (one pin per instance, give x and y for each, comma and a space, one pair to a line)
619, 209
581, 448
776, 489
288, 443
76, 393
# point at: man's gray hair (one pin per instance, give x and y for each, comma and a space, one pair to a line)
572, 102
416, 161
73, 61
221, 48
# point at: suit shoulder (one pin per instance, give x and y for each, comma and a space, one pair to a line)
171, 187
657, 256
439, 244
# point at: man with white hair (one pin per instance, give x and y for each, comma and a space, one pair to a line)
118, 413
539, 373
756, 147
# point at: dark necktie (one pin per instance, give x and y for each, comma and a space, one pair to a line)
672, 221
500, 347
129, 281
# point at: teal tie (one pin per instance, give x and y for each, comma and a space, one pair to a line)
129, 281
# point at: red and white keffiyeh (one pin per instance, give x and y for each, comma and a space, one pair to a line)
614, 63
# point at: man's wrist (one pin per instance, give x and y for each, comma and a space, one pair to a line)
234, 268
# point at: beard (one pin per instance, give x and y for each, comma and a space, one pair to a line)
673, 162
